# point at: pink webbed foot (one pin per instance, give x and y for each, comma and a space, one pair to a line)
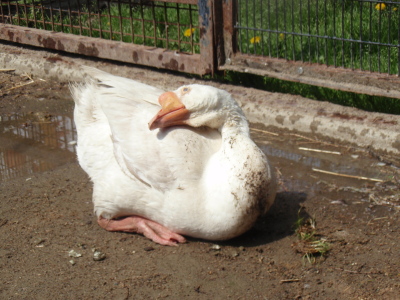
150, 229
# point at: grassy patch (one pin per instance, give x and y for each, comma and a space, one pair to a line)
309, 244
353, 34
164, 25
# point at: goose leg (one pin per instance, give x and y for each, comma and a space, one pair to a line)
150, 229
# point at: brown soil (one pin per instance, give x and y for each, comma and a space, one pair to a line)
47, 212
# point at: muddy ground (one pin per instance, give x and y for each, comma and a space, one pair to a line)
46, 211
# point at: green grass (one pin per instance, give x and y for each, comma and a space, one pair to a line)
309, 243
163, 25
333, 32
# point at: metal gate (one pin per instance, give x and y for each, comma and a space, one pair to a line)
326, 43
348, 45
170, 34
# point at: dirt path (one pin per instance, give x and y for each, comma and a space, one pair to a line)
46, 211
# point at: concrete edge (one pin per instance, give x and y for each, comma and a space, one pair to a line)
376, 131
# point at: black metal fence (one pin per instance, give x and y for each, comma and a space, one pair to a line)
287, 39
354, 34
158, 24
167, 34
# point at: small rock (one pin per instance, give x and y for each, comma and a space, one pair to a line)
72, 262
73, 253
241, 248
38, 242
148, 248
98, 255
235, 254
215, 247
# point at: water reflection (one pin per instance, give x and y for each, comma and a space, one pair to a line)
285, 148
37, 142
34, 142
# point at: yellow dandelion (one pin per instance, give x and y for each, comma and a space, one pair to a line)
281, 36
380, 6
255, 40
188, 32
395, 8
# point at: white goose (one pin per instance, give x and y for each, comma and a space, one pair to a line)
199, 174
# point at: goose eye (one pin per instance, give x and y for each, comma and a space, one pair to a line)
185, 90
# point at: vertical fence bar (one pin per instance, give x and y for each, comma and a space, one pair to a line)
293, 31
240, 40
262, 26
1, 11
79, 12
301, 31
9, 12
370, 35
317, 31
361, 36
45, 24
277, 28
69, 16
247, 26
110, 25
254, 26
191, 27
231, 37
99, 19
131, 22
179, 29
326, 35
61, 15
26, 12
309, 30
269, 29
398, 43
120, 19
389, 40
351, 37
334, 34
206, 24
142, 22
33, 13
379, 39
343, 37
285, 27
153, 13
18, 16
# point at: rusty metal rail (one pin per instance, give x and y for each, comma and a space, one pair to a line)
169, 34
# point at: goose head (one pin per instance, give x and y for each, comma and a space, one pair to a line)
195, 105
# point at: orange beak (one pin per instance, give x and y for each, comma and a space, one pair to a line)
172, 112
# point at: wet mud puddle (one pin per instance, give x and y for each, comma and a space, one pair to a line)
35, 142
331, 174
